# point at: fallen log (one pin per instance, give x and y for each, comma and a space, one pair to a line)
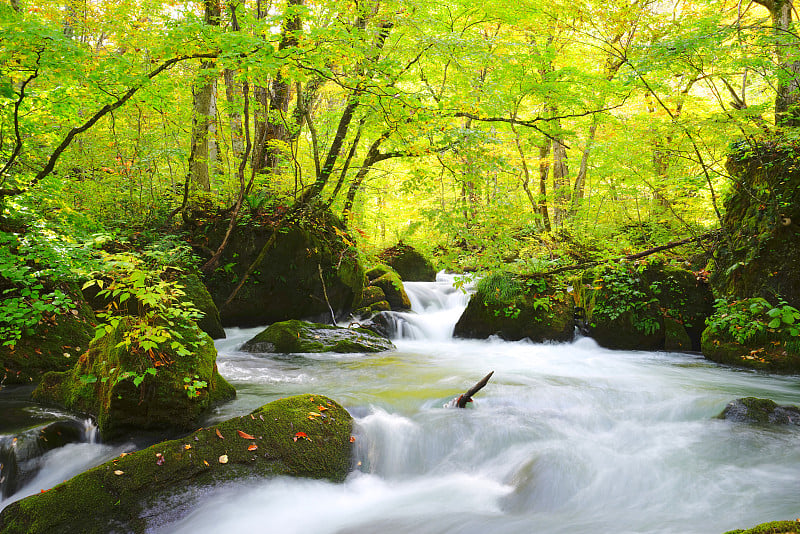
462, 400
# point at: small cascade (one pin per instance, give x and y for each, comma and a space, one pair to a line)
435, 309
23, 455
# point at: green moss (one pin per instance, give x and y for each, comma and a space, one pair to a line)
198, 295
300, 336
408, 263
159, 402
55, 345
103, 499
392, 286
774, 527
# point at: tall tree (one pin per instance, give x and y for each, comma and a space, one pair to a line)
787, 52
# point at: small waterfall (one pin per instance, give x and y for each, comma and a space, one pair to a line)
23, 456
435, 309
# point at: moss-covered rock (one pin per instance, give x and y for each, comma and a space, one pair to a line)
743, 333
173, 390
280, 438
774, 527
392, 287
409, 263
198, 295
55, 345
516, 308
377, 271
759, 255
761, 411
630, 305
287, 284
372, 295
300, 336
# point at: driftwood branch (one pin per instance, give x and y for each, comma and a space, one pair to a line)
578, 266
462, 400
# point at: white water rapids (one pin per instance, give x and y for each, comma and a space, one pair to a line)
565, 438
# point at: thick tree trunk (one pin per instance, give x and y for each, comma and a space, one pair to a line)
234, 95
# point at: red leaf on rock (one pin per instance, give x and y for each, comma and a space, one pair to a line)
252, 447
244, 435
301, 435
219, 434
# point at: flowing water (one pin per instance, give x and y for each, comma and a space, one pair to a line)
565, 438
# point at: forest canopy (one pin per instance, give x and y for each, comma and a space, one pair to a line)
478, 131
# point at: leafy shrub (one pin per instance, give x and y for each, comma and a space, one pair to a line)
754, 320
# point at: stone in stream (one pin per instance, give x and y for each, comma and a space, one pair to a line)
301, 336
303, 436
761, 411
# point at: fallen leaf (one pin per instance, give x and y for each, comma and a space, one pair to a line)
244, 435
352, 439
118, 472
252, 447
321, 408
314, 414
206, 463
301, 435
219, 434
223, 459
159, 459
187, 447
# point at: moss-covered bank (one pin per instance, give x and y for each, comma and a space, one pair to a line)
54, 344
127, 390
515, 307
774, 527
306, 436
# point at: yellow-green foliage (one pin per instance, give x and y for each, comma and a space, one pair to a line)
306, 436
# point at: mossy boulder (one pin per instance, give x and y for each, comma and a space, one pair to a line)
198, 295
311, 263
743, 333
644, 306
409, 263
300, 336
773, 527
127, 391
514, 308
759, 253
760, 411
54, 345
373, 300
392, 287
278, 439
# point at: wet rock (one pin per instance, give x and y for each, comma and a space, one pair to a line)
408, 263
287, 283
515, 308
392, 287
762, 411
278, 439
111, 382
300, 336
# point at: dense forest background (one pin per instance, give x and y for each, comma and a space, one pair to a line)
473, 131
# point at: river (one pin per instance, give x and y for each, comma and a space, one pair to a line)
565, 438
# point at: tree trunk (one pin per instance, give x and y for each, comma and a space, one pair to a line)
787, 99
544, 171
560, 183
234, 96
578, 192
204, 96
275, 124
